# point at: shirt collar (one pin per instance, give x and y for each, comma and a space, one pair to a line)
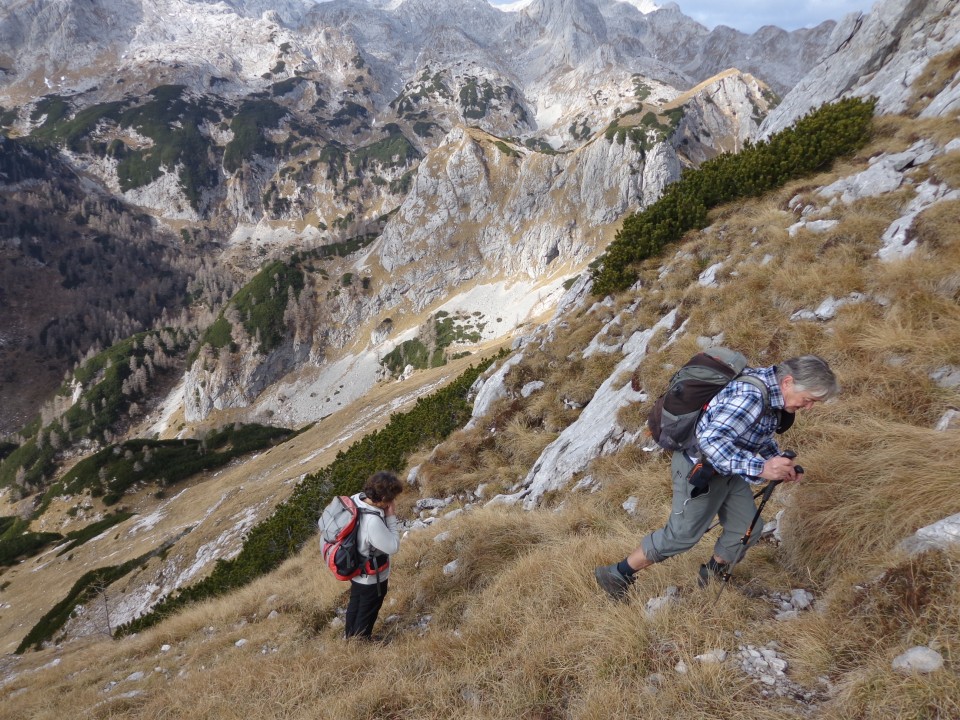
769, 377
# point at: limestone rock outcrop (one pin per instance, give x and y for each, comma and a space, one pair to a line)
879, 54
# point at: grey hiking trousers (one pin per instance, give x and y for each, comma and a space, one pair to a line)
729, 497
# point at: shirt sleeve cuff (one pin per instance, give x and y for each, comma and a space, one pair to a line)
752, 470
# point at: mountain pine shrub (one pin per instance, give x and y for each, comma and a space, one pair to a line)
811, 144
248, 126
111, 471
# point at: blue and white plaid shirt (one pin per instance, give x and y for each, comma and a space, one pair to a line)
735, 432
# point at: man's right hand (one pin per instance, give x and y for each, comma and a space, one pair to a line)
779, 468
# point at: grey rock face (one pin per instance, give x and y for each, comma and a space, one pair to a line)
524, 212
482, 209
879, 54
722, 116
231, 382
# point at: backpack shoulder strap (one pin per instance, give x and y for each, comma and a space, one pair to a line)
757, 383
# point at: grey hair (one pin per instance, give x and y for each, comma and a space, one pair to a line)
812, 374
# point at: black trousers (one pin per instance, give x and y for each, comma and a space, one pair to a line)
363, 608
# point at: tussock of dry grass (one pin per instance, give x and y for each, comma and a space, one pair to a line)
946, 168
937, 74
880, 481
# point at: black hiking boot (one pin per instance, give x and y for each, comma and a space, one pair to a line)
711, 570
613, 582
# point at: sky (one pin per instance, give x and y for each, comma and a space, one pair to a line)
748, 15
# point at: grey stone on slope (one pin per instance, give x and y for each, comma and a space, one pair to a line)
936, 536
595, 432
491, 388
919, 659
877, 54
950, 420
897, 240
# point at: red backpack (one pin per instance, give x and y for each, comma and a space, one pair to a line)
339, 542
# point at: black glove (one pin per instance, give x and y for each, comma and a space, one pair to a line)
700, 476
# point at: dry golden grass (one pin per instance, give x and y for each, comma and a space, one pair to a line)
633, 416
582, 330
581, 378
937, 224
880, 482
520, 444
946, 168
896, 133
937, 74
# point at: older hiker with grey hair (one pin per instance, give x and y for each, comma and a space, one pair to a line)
735, 438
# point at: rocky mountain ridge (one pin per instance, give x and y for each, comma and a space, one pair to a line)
482, 211
882, 54
307, 126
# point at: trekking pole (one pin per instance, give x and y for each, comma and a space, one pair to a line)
745, 540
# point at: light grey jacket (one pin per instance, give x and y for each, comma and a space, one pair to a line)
378, 534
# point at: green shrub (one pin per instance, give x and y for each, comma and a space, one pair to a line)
54, 107
394, 150
334, 156
173, 121
348, 113
401, 186
286, 86
429, 349
475, 98
26, 544
169, 117
810, 145
260, 304
248, 125
541, 146
73, 132
425, 128
87, 587
99, 408
113, 470
410, 352
347, 247
8, 117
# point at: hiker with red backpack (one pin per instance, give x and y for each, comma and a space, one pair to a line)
376, 538
721, 449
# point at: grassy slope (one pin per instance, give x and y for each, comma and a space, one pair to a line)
520, 629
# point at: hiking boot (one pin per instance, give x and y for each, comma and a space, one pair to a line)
711, 570
613, 581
